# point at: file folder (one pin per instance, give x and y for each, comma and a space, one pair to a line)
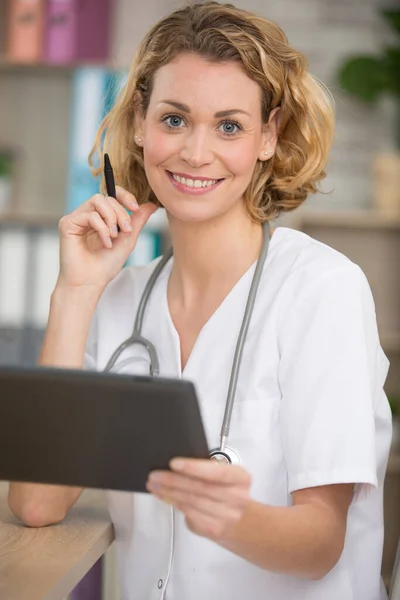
14, 260
46, 267
26, 31
78, 30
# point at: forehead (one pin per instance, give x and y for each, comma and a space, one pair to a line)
192, 80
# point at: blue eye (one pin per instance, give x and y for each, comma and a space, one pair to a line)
231, 125
172, 121
230, 128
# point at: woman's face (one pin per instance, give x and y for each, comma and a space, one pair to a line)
202, 136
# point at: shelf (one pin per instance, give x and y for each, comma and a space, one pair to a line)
48, 68
365, 219
30, 220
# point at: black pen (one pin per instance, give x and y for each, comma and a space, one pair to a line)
109, 177
110, 182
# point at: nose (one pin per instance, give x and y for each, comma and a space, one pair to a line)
196, 149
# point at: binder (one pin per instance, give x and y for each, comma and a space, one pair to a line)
77, 30
25, 31
46, 265
94, 92
14, 262
93, 29
60, 35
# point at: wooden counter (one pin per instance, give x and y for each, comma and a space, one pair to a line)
47, 563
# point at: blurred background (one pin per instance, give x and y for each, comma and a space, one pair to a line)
62, 62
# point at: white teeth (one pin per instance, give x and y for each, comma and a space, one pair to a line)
196, 183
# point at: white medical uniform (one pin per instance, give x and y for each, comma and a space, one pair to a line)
310, 410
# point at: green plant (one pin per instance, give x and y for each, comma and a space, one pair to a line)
5, 164
367, 77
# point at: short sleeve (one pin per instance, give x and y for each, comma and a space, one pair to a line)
328, 347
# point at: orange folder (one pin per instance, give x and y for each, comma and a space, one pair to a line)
25, 31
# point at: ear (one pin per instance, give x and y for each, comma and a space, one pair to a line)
139, 120
270, 135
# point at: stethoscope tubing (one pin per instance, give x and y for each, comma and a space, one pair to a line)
137, 338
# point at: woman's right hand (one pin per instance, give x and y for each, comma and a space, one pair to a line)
92, 251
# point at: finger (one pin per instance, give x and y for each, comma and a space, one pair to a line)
165, 482
186, 500
97, 223
204, 525
122, 217
211, 470
126, 198
103, 206
140, 218
80, 223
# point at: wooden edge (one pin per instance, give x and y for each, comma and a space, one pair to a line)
363, 219
79, 540
67, 583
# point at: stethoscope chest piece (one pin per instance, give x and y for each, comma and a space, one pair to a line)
227, 456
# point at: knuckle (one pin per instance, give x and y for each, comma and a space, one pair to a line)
191, 525
236, 515
96, 221
97, 198
62, 223
113, 217
248, 478
214, 530
241, 497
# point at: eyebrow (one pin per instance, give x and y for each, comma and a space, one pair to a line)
222, 113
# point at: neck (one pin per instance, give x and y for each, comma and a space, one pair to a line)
212, 256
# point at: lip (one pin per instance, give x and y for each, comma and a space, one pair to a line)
192, 190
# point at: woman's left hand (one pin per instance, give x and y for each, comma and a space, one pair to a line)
211, 495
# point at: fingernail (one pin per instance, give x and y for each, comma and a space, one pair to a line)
127, 226
108, 242
114, 230
133, 204
154, 487
177, 465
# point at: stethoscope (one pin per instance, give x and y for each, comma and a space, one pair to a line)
223, 453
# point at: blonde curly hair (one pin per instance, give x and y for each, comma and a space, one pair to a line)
223, 33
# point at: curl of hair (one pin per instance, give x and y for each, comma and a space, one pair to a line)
220, 33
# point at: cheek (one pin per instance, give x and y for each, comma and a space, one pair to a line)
158, 147
241, 158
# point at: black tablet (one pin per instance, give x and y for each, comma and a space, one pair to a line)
92, 429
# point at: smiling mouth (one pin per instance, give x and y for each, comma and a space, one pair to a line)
194, 183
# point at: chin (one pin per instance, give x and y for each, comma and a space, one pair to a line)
190, 214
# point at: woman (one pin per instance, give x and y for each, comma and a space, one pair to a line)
221, 124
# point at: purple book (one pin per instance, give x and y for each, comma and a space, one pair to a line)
77, 31
60, 42
89, 588
93, 30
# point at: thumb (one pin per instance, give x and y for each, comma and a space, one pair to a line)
139, 219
